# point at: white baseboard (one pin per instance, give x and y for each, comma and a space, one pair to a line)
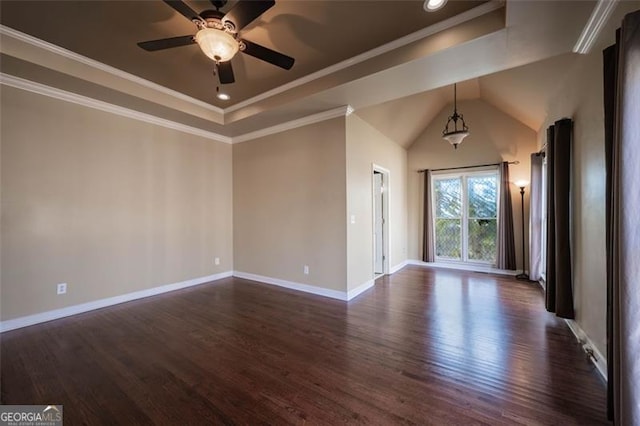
600, 361
461, 267
360, 289
306, 288
320, 291
398, 267
28, 320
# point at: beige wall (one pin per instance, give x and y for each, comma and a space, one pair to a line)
289, 192
580, 98
367, 146
495, 137
104, 203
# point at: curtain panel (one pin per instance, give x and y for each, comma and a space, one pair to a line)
506, 248
535, 218
428, 240
622, 150
559, 290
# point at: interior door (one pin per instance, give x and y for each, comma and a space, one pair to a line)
378, 234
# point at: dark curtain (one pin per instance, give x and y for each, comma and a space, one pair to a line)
622, 151
506, 246
610, 61
428, 246
559, 293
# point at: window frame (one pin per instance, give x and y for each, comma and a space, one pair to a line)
463, 175
544, 191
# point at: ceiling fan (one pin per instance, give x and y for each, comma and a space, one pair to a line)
218, 37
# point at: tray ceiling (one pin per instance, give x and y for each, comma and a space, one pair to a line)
317, 34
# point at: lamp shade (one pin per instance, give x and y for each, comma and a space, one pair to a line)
217, 44
521, 183
455, 138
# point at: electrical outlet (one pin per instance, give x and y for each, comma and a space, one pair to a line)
306, 269
61, 288
216, 261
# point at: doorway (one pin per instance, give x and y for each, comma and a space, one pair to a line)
466, 216
380, 192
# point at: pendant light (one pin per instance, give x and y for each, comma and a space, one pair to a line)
451, 132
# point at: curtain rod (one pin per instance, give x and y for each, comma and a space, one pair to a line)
466, 167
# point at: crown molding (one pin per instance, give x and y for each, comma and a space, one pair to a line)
52, 48
64, 95
599, 17
293, 124
52, 92
483, 9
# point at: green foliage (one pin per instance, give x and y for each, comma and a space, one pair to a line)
448, 243
482, 239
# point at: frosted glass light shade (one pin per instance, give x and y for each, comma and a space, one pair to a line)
455, 138
218, 45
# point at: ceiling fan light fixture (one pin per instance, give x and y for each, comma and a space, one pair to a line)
218, 45
433, 5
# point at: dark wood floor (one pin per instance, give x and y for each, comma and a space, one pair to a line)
424, 346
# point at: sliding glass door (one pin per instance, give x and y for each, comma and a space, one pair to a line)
466, 216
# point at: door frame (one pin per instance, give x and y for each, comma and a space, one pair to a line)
385, 214
463, 175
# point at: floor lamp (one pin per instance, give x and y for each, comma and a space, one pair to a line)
522, 184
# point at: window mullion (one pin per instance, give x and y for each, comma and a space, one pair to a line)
465, 222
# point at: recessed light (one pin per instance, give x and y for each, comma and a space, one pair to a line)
433, 5
222, 95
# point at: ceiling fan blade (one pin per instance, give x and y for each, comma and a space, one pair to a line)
264, 53
183, 9
166, 43
225, 72
245, 11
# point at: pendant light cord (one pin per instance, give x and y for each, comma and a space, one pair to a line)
455, 96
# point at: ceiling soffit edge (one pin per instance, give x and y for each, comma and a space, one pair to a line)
418, 35
483, 9
349, 84
65, 53
340, 111
60, 94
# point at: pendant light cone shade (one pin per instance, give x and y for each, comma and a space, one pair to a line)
455, 138
218, 45
453, 133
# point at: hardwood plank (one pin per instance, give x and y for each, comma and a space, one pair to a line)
424, 346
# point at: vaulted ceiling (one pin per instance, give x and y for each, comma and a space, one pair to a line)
391, 61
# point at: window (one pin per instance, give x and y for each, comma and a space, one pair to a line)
466, 216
